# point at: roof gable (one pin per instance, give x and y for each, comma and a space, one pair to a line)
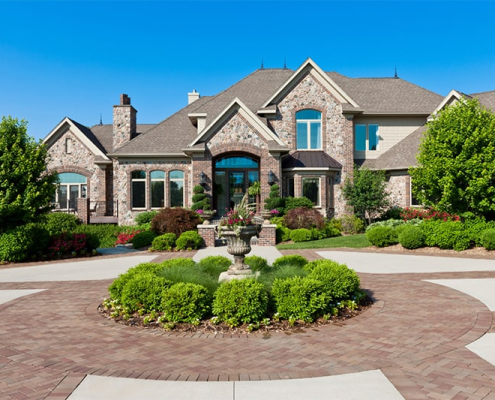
309, 66
83, 133
237, 105
453, 97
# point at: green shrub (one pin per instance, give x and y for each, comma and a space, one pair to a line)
392, 213
297, 202
300, 235
488, 239
340, 282
317, 234
240, 301
331, 229
143, 239
185, 302
282, 233
165, 242
282, 272
310, 266
274, 201
382, 236
144, 290
23, 242
145, 217
299, 298
446, 234
118, 284
182, 272
61, 222
200, 200
291, 259
256, 263
475, 226
175, 220
411, 237
351, 224
104, 234
214, 265
190, 240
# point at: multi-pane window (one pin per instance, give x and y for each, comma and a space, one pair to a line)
157, 189
308, 125
176, 189
71, 187
311, 189
366, 137
138, 189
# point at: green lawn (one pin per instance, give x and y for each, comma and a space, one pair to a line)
353, 241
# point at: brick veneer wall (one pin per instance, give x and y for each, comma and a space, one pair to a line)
268, 235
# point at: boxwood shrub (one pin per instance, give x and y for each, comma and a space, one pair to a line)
382, 236
61, 222
165, 242
214, 265
22, 242
300, 235
143, 239
340, 282
190, 240
411, 237
256, 263
488, 239
118, 284
299, 298
144, 290
240, 301
186, 302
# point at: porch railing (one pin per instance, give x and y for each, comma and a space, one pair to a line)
103, 208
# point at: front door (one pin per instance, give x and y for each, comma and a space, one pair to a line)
232, 178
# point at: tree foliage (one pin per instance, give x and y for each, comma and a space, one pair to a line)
456, 160
366, 193
26, 188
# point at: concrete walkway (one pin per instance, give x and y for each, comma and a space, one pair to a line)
429, 334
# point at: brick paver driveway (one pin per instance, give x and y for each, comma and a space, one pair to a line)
415, 333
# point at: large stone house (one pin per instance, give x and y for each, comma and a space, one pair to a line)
303, 130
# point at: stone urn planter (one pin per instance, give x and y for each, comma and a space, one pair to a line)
238, 245
266, 215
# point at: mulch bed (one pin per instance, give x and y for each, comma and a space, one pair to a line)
207, 327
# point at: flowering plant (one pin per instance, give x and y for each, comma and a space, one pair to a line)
274, 212
241, 215
206, 212
124, 238
429, 213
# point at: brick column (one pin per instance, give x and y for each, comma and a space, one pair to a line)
207, 232
268, 235
83, 210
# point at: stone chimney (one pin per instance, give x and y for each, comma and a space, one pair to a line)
124, 122
192, 97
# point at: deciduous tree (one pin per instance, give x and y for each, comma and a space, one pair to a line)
26, 188
456, 160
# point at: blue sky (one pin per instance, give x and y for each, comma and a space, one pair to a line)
69, 58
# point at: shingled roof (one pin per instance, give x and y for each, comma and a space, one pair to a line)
486, 98
387, 95
104, 134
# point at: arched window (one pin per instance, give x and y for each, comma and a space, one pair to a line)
176, 189
138, 189
308, 124
157, 189
71, 187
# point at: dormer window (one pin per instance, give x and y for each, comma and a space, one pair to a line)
308, 125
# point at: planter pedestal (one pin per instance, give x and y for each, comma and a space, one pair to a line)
238, 245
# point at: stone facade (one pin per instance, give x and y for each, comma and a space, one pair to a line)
124, 122
399, 189
337, 132
122, 184
79, 160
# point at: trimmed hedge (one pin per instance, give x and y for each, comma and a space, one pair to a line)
240, 301
22, 242
185, 302
190, 240
411, 237
143, 239
165, 242
340, 282
291, 259
488, 239
300, 235
144, 290
382, 236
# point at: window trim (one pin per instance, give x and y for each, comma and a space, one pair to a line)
164, 180
318, 180
308, 123
367, 137
145, 189
170, 180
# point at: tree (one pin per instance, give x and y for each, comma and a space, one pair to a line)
456, 160
366, 192
26, 187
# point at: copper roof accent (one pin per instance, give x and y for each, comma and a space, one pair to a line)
310, 159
